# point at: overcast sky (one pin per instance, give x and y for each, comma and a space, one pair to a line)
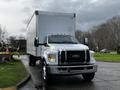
89, 12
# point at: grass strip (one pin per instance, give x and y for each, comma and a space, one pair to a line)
107, 57
11, 73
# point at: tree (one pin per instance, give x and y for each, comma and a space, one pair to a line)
106, 35
79, 35
114, 25
3, 36
12, 42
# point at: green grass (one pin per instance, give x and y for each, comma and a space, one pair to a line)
11, 73
107, 57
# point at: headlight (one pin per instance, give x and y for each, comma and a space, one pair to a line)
92, 59
51, 57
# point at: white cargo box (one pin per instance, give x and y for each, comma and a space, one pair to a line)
47, 23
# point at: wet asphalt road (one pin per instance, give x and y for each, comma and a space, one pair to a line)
106, 78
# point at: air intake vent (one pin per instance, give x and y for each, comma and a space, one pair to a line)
74, 57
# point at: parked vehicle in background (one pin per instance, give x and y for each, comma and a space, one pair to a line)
51, 39
105, 51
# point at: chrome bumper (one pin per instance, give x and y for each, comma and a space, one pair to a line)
69, 70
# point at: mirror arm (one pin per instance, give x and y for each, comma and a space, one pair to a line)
36, 43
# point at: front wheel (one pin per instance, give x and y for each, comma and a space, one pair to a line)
88, 76
44, 73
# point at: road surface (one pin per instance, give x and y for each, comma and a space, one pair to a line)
107, 78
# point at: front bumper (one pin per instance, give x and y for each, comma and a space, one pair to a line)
69, 70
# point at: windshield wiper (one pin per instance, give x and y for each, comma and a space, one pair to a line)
70, 42
64, 42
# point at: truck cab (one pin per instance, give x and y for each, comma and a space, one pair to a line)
64, 55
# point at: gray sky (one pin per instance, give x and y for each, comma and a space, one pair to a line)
89, 12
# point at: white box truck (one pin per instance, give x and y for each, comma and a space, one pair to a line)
51, 39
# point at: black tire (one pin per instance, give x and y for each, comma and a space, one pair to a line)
88, 76
32, 61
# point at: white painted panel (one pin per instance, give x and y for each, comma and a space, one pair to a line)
31, 34
55, 24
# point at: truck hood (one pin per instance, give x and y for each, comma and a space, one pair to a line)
68, 46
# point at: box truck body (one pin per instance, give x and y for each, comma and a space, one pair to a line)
48, 23
51, 39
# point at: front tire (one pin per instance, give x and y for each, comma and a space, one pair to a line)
45, 75
44, 72
88, 76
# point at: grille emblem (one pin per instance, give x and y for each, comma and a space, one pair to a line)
75, 56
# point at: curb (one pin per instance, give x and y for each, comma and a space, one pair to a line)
108, 61
9, 88
23, 82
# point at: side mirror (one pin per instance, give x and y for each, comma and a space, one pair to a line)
86, 41
36, 42
45, 44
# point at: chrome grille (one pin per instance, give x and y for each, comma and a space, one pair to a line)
74, 57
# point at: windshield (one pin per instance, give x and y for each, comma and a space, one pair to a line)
62, 39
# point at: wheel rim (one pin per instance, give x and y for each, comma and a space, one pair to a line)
44, 72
